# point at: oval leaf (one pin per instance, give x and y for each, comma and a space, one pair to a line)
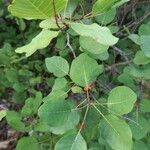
57, 65
121, 100
54, 112
84, 70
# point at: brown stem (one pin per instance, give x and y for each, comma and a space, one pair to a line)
55, 14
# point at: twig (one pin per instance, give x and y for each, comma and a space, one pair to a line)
117, 64
55, 14
69, 45
122, 53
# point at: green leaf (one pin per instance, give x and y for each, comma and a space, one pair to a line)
140, 71
140, 128
50, 24
77, 89
92, 46
31, 105
29, 143
54, 112
145, 105
117, 133
41, 41
102, 6
14, 119
145, 41
138, 145
107, 17
135, 38
57, 65
39, 9
141, 59
60, 84
72, 5
73, 120
3, 113
144, 29
100, 34
59, 94
71, 142
84, 70
121, 100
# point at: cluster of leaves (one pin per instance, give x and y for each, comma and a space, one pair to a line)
94, 102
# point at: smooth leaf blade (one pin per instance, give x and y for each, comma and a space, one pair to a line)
121, 100
100, 34
71, 142
41, 41
39, 9
84, 70
145, 41
57, 65
101, 6
29, 143
118, 135
92, 46
54, 112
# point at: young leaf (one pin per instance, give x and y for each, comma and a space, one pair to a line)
39, 9
100, 34
54, 112
14, 119
57, 65
29, 143
31, 105
84, 70
121, 100
118, 135
71, 142
41, 41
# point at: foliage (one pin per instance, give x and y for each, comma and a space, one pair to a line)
78, 83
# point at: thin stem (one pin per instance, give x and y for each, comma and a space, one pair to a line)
55, 14
70, 47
